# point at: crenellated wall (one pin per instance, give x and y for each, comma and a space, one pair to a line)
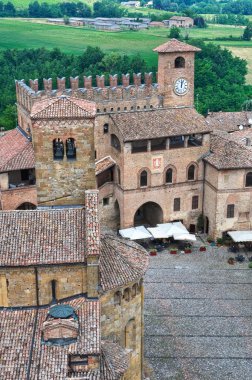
139, 90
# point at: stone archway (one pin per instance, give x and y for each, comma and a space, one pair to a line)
150, 213
26, 206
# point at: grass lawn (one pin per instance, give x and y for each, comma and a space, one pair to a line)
25, 3
22, 34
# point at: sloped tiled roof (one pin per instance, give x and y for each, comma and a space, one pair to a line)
42, 237
159, 123
18, 348
16, 152
174, 45
121, 262
228, 153
63, 107
229, 121
104, 164
116, 360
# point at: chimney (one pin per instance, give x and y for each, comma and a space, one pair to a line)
92, 241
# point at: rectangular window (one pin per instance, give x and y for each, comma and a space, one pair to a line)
158, 144
195, 202
230, 211
176, 206
139, 146
177, 142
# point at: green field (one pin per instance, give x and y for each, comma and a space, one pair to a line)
26, 34
25, 3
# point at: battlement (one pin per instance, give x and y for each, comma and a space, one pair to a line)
101, 94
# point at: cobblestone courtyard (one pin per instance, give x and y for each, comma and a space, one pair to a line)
198, 316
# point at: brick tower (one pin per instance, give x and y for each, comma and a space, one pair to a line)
62, 131
176, 73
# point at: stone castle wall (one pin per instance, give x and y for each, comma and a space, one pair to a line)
122, 322
20, 285
11, 199
54, 178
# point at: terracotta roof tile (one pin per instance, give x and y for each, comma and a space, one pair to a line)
47, 362
228, 153
63, 107
121, 262
175, 46
229, 121
42, 237
160, 123
116, 360
16, 152
104, 164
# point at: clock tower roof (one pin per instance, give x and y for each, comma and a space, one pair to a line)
174, 45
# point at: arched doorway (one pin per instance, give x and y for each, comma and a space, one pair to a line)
149, 213
206, 225
26, 206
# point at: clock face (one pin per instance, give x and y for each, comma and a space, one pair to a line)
181, 86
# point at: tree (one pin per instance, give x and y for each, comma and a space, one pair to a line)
200, 22
247, 105
174, 32
247, 34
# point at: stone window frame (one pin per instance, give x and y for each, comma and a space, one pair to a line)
174, 174
195, 177
246, 177
230, 211
54, 143
130, 334
118, 298
148, 178
195, 202
115, 142
73, 140
177, 204
105, 128
179, 62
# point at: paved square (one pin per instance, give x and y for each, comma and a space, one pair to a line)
198, 316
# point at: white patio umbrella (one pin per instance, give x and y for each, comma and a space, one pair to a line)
189, 237
135, 233
158, 233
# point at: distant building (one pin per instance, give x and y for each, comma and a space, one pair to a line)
131, 4
179, 21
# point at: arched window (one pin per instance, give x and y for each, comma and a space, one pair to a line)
70, 149
168, 176
126, 294
117, 298
179, 62
249, 179
143, 178
191, 173
130, 335
58, 149
134, 290
115, 143
105, 128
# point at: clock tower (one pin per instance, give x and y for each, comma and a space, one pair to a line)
176, 73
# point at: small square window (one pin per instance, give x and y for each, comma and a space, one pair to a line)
105, 201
